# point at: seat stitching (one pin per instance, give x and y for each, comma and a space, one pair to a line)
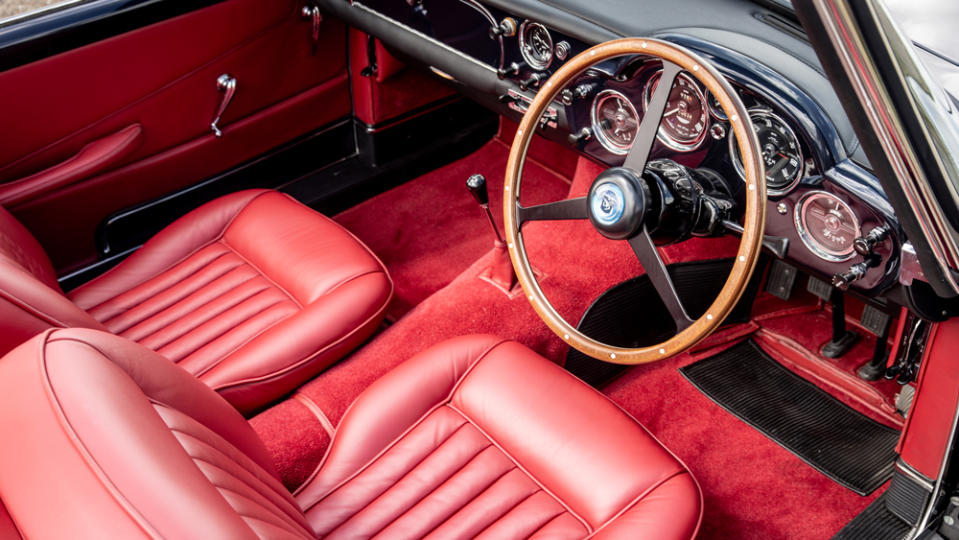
547, 522
188, 255
478, 495
302, 361
279, 523
520, 467
207, 317
213, 338
226, 457
159, 274
224, 241
399, 437
178, 295
639, 498
353, 476
285, 514
443, 482
245, 342
78, 444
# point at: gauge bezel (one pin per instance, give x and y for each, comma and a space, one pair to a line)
661, 135
601, 136
717, 112
535, 64
820, 251
800, 171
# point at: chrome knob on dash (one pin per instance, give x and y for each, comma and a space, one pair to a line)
226, 85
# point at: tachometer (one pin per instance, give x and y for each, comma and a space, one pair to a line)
614, 121
686, 116
782, 155
536, 45
827, 226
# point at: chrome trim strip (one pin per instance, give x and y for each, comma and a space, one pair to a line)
848, 43
46, 10
378, 15
914, 475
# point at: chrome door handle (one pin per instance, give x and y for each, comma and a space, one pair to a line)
226, 85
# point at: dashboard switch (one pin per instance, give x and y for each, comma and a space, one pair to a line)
512, 69
532, 81
865, 244
843, 280
584, 134
506, 28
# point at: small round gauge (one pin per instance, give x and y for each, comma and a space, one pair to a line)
614, 121
827, 226
715, 108
685, 119
536, 45
782, 155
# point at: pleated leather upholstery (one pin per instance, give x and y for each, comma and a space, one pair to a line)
479, 438
252, 293
114, 441
474, 438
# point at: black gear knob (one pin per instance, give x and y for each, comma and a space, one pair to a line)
477, 186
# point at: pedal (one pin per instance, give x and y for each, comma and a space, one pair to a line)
820, 288
875, 320
781, 280
842, 339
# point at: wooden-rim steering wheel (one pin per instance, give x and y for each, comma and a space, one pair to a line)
675, 60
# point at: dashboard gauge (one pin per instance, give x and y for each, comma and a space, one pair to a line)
684, 122
536, 45
827, 226
782, 155
614, 121
715, 108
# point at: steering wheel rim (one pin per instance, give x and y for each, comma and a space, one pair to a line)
675, 59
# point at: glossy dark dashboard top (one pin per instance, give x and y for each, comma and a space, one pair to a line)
500, 52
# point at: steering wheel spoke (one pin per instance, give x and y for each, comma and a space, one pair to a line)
638, 154
555, 211
646, 252
622, 205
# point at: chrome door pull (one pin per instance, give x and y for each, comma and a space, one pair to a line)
312, 14
226, 85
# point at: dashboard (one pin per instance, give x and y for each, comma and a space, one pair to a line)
822, 198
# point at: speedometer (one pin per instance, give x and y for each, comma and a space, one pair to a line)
683, 127
782, 154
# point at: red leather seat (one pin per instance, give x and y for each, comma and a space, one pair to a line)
253, 294
475, 437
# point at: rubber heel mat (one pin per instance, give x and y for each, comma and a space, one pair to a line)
876, 522
850, 448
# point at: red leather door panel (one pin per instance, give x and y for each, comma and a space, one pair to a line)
163, 78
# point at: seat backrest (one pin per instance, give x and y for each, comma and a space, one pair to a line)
112, 440
30, 297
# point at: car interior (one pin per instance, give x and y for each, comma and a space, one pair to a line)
453, 269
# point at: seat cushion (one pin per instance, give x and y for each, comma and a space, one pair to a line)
474, 438
252, 293
114, 441
478, 437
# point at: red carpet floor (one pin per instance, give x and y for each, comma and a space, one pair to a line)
435, 242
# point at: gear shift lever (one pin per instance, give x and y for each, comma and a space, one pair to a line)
500, 272
477, 186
